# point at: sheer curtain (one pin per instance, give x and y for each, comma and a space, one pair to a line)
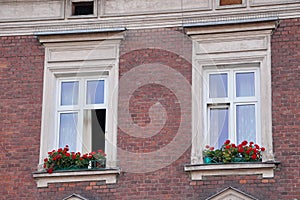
68, 130
245, 123
218, 126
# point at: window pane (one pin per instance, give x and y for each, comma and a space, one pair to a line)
218, 87
69, 93
68, 130
245, 123
95, 92
245, 85
218, 126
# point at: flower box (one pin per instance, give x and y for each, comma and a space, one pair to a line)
63, 160
231, 153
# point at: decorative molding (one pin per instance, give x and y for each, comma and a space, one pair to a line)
23, 10
272, 2
198, 171
137, 20
138, 7
43, 179
231, 193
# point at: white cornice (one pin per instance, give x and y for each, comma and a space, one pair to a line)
143, 21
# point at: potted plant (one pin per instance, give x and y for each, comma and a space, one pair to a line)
62, 159
229, 152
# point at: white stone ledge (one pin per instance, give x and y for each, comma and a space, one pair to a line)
108, 175
198, 171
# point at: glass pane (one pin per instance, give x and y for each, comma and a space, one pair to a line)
69, 93
245, 123
95, 92
218, 126
218, 87
245, 85
68, 130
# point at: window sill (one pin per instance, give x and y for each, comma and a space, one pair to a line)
108, 175
266, 169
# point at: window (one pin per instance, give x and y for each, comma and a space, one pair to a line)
231, 84
83, 8
230, 2
232, 105
81, 113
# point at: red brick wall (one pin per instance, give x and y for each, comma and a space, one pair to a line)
21, 84
21, 72
286, 106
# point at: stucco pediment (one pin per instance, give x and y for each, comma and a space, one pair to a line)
231, 193
75, 197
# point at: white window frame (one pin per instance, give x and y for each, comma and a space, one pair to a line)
231, 101
83, 138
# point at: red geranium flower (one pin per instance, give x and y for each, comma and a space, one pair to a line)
263, 149
227, 142
74, 156
241, 150
254, 156
50, 170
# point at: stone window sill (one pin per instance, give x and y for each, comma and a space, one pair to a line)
266, 169
108, 175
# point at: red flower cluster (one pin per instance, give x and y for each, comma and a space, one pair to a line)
229, 152
63, 159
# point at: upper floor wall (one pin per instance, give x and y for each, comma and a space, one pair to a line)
26, 17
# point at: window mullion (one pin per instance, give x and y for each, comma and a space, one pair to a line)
231, 90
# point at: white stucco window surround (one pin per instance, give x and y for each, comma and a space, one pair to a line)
228, 47
80, 61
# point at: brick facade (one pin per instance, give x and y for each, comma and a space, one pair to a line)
21, 83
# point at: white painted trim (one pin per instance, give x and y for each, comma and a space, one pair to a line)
198, 171
108, 175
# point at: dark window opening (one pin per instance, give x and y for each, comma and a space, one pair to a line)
83, 8
98, 129
230, 2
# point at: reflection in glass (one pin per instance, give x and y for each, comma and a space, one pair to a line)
95, 92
